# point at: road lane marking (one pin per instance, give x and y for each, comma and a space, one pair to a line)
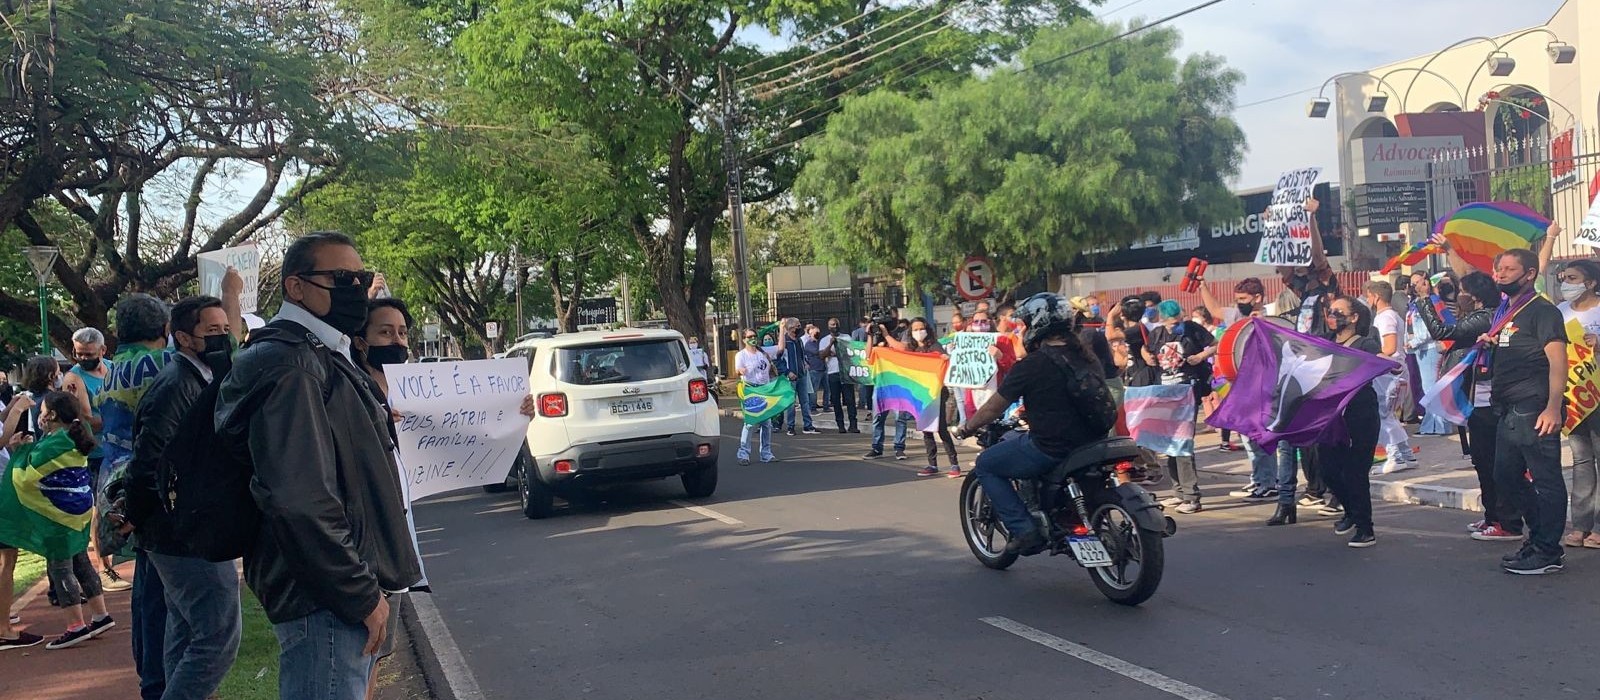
714, 515
431, 529
1107, 662
457, 675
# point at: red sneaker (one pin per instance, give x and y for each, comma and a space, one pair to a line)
1495, 533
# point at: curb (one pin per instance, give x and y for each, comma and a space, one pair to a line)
445, 680
1416, 492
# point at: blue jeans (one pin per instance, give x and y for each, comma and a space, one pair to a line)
1263, 469
203, 624
321, 658
802, 385
879, 422
765, 430
1016, 458
1287, 480
149, 627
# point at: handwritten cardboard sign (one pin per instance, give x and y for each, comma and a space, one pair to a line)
971, 365
246, 259
462, 425
1286, 238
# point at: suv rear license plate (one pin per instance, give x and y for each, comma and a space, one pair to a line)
1089, 551
627, 406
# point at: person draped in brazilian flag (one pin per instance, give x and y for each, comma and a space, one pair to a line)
760, 393
45, 506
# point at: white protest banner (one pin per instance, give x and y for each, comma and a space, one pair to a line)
245, 259
461, 424
1286, 238
1589, 231
971, 365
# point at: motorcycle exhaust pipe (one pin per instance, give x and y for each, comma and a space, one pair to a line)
1172, 526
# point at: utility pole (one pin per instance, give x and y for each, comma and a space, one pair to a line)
733, 161
522, 279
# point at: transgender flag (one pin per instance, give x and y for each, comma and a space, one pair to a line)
1449, 399
1161, 418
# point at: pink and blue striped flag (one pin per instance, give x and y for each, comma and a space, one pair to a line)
1449, 399
1161, 418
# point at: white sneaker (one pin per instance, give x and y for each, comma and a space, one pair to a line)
1172, 502
1241, 493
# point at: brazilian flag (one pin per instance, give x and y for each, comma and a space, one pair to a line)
765, 402
46, 498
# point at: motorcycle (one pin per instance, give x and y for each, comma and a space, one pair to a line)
1091, 509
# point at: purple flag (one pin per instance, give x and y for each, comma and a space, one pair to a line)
1295, 389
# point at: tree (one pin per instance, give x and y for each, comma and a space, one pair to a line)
138, 118
1031, 167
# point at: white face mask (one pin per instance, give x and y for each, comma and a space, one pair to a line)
1571, 291
920, 335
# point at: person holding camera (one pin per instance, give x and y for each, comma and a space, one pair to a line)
877, 334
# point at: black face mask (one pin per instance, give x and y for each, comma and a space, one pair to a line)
381, 355
218, 354
1511, 289
90, 365
1340, 323
347, 309
1246, 309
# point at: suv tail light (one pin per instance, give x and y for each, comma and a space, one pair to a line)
553, 405
698, 393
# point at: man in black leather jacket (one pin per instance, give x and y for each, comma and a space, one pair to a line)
1476, 299
202, 597
333, 541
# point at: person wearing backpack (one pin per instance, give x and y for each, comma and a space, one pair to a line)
1063, 389
333, 542
201, 636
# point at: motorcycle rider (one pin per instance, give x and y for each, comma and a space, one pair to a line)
1050, 392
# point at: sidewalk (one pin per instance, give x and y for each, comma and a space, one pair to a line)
98, 668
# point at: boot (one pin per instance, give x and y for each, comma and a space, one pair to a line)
1286, 515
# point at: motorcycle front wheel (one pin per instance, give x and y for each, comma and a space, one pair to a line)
985, 535
1137, 556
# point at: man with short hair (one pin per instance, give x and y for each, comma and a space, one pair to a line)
815, 368
201, 597
791, 363
838, 394
1390, 329
85, 379
333, 544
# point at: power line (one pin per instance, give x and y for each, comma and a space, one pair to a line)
1284, 96
866, 50
1121, 36
819, 35
928, 63
1119, 9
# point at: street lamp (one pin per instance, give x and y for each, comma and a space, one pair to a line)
41, 258
1461, 99
1318, 108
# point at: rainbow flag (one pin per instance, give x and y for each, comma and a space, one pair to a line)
910, 382
1415, 253
765, 402
1449, 399
1481, 230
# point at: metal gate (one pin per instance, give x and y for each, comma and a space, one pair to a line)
1554, 175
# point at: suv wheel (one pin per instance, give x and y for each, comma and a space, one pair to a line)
538, 501
700, 483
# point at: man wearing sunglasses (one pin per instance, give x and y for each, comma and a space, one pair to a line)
333, 543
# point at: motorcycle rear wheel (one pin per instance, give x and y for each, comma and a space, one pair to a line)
1129, 546
984, 533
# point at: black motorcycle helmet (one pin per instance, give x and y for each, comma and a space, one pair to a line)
1046, 315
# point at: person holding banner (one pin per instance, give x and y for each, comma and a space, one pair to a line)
923, 343
1346, 468
1579, 280
754, 366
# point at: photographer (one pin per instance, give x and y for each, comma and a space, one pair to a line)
877, 334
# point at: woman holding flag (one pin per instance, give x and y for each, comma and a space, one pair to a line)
1346, 467
923, 343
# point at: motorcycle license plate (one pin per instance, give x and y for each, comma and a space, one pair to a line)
1089, 551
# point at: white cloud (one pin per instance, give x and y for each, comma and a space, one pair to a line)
1287, 45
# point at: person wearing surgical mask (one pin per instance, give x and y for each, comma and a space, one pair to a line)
699, 359
922, 341
1580, 287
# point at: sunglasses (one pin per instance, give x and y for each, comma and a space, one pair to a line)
341, 278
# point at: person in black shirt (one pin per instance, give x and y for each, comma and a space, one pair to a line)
1055, 427
1181, 351
1346, 468
1127, 316
1529, 364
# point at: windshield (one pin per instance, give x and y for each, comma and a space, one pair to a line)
613, 363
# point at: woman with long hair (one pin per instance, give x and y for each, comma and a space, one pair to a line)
1347, 468
1580, 287
922, 341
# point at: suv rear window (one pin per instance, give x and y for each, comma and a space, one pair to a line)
615, 363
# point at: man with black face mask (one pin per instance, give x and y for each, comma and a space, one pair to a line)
202, 596
333, 544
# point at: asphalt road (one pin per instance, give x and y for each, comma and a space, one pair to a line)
826, 576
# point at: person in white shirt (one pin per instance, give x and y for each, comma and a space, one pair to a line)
699, 359
753, 365
838, 394
1390, 329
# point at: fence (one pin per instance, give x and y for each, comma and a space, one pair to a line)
1554, 175
1351, 283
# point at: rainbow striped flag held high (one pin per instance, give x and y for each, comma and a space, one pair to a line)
910, 382
1449, 399
1481, 230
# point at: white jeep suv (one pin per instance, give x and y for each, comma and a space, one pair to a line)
614, 406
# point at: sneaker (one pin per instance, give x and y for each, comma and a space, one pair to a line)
1172, 502
23, 640
842, 431
811, 431
1310, 502
1481, 524
1243, 492
100, 626
874, 454
1330, 510
71, 638
1523, 551
16, 619
1363, 539
744, 461
1228, 447
789, 432
899, 456
954, 473
1495, 533
928, 471
1190, 508
855, 431
113, 583
1343, 527
1535, 563
1266, 495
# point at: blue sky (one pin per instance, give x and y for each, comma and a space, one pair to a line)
1287, 45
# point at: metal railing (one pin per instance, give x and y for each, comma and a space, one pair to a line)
1550, 174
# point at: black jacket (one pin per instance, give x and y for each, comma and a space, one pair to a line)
1464, 334
155, 422
333, 526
